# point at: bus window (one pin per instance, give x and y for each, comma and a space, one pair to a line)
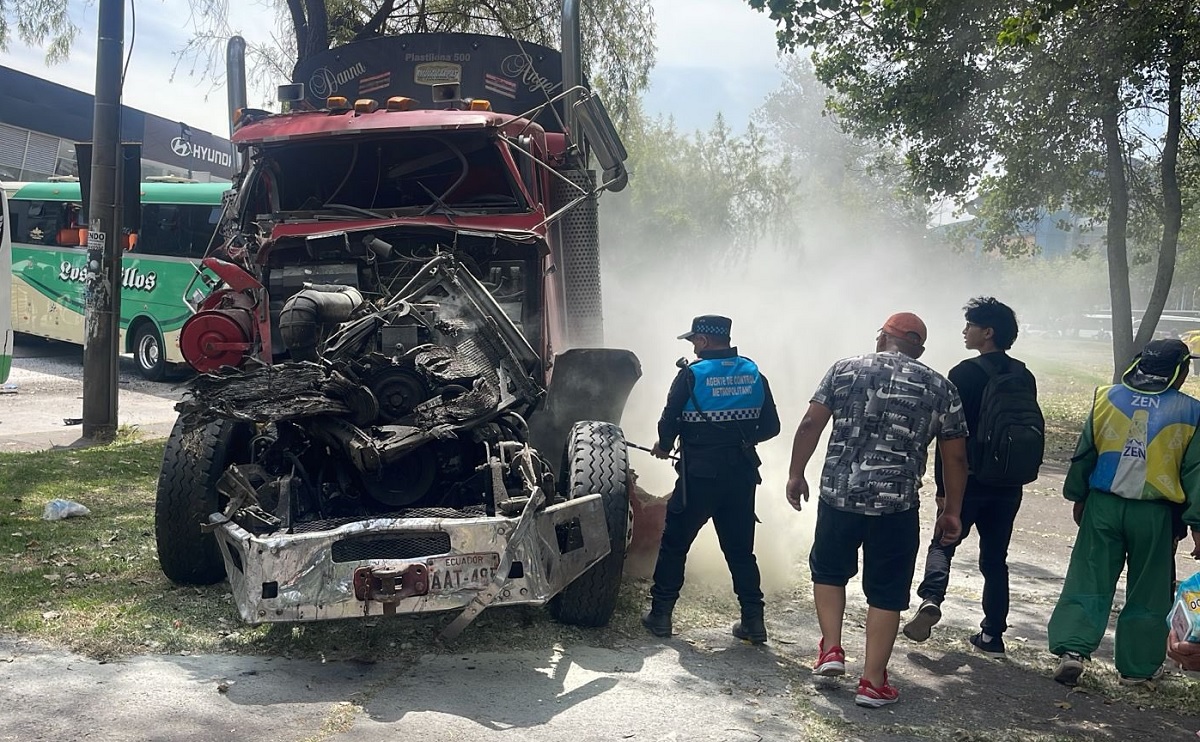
179, 230
45, 222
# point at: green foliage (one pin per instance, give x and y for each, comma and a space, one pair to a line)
37, 21
836, 172
1029, 106
710, 191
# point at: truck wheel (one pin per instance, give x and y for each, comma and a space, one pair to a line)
148, 352
193, 460
597, 461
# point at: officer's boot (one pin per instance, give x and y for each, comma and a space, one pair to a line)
657, 620
751, 628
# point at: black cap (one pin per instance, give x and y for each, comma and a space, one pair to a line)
1157, 366
709, 324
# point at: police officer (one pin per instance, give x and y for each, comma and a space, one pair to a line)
719, 407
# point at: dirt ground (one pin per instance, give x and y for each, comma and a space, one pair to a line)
950, 691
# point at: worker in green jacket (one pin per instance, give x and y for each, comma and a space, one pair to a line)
1137, 458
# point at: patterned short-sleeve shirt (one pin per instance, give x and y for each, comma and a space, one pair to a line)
887, 407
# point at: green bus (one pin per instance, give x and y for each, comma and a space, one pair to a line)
49, 265
6, 336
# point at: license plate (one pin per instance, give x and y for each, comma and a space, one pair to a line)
456, 572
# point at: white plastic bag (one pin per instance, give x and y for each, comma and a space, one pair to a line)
59, 509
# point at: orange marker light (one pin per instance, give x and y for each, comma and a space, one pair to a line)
400, 103
366, 105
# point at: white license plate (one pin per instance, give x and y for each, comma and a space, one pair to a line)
456, 572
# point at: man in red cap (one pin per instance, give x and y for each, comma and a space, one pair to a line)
886, 408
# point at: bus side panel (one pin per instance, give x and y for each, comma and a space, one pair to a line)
48, 289
6, 336
152, 289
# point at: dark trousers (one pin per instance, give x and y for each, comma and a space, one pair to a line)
993, 517
727, 500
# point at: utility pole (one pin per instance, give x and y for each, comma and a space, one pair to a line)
102, 305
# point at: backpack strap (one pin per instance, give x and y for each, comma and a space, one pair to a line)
1013, 366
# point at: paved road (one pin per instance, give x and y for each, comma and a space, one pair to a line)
45, 392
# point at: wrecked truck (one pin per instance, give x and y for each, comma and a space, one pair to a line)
403, 406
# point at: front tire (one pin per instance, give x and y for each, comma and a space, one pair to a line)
149, 353
193, 461
597, 461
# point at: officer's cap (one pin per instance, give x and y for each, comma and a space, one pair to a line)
709, 324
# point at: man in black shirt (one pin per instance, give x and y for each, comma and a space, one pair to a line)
719, 407
991, 330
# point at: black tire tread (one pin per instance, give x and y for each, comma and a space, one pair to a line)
597, 460
193, 462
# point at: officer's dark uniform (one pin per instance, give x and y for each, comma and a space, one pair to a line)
720, 407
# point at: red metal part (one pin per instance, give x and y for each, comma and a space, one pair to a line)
218, 337
322, 124
232, 274
389, 584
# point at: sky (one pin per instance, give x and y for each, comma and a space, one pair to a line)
713, 55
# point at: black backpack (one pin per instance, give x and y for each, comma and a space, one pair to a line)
1006, 447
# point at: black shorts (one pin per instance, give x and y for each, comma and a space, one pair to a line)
889, 544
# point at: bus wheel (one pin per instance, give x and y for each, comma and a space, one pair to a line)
148, 353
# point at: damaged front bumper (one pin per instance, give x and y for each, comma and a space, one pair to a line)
409, 565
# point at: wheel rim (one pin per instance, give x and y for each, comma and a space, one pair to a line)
148, 351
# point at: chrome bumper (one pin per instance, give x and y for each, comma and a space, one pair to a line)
303, 577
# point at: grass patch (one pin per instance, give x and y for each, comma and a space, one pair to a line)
93, 584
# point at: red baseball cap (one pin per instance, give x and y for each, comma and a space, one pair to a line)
906, 326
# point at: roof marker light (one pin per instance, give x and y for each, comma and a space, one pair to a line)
400, 103
337, 103
366, 105
478, 104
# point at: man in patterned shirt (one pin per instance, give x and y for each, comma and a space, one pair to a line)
886, 408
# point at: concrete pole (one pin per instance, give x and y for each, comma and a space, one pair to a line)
102, 305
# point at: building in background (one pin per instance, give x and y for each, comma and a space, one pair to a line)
40, 122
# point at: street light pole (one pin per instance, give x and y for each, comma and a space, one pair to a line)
102, 305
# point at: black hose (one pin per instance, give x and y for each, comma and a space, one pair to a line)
303, 314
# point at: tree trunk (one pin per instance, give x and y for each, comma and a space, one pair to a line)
1118, 222
1172, 207
310, 23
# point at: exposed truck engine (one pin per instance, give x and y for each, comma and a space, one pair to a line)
400, 406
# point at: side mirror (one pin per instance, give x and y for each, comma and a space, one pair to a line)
602, 137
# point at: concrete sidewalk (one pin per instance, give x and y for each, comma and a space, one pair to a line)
41, 405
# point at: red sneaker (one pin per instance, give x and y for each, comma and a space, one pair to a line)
830, 663
872, 697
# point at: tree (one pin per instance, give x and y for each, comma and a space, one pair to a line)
835, 172
694, 198
618, 35
36, 21
1034, 105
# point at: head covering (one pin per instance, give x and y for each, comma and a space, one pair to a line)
906, 326
1157, 367
709, 324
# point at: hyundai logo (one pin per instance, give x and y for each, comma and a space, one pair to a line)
181, 147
